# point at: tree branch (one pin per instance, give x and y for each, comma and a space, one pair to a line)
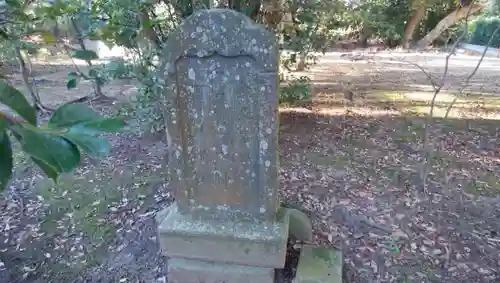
66, 49
472, 74
95, 83
148, 32
37, 102
10, 119
426, 162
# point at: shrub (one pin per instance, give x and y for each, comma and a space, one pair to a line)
296, 90
482, 29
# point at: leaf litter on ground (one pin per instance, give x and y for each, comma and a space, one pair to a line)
356, 175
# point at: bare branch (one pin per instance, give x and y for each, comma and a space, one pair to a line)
37, 102
437, 89
464, 86
427, 73
80, 38
437, 86
66, 48
447, 64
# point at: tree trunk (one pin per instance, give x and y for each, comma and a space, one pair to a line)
447, 22
273, 12
301, 65
26, 73
364, 35
95, 83
415, 19
148, 31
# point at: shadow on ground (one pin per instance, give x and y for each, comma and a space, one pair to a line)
360, 176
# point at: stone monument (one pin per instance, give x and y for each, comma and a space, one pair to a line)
220, 99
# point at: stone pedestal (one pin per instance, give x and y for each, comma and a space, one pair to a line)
195, 271
221, 251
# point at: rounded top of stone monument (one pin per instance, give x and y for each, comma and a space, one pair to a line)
221, 32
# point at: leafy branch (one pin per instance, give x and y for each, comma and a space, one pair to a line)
57, 146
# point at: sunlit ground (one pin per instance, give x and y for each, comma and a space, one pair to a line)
418, 103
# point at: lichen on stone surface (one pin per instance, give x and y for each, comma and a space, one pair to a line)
221, 87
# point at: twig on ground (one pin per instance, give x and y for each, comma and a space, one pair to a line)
375, 225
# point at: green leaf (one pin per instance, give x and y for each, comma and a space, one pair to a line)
71, 84
85, 55
72, 114
6, 162
13, 3
93, 73
73, 75
104, 125
57, 154
46, 168
95, 147
153, 22
25, 45
14, 99
73, 78
3, 125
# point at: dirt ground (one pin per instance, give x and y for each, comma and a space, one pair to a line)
354, 166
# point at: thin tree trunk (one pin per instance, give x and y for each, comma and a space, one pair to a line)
95, 83
415, 19
447, 22
364, 34
148, 32
301, 65
25, 72
235, 5
273, 12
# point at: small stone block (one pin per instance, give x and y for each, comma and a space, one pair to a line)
319, 265
194, 271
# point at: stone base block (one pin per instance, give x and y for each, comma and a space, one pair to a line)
261, 244
319, 265
194, 271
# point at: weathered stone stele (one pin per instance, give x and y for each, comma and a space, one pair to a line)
221, 79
